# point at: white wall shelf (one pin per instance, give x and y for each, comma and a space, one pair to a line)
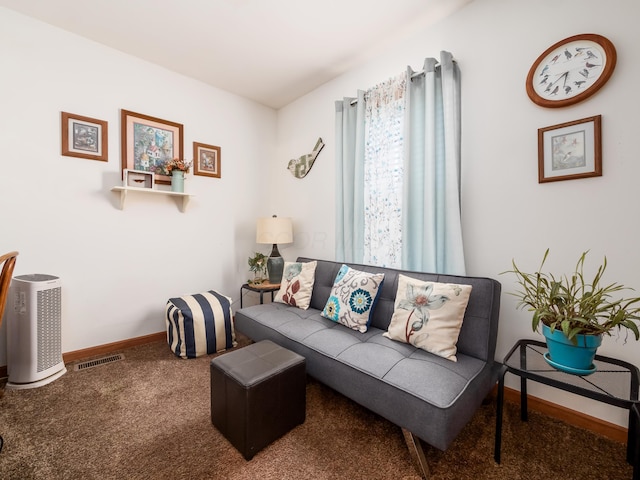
181, 198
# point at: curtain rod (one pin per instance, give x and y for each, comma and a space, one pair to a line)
414, 75
421, 72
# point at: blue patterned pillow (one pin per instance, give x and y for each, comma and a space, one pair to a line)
353, 298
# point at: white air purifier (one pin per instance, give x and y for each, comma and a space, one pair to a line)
34, 331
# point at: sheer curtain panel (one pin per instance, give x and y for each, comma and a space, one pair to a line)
384, 172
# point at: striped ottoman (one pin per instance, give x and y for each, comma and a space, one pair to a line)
199, 324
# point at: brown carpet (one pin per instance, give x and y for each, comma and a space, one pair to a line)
148, 417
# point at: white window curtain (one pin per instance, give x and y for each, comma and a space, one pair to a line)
383, 172
428, 235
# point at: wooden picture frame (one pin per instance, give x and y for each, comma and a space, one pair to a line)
206, 160
570, 150
84, 137
138, 179
148, 143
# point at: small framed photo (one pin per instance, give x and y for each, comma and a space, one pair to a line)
148, 143
138, 179
206, 160
84, 137
570, 150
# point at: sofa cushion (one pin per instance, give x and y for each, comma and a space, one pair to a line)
429, 315
353, 298
419, 374
297, 284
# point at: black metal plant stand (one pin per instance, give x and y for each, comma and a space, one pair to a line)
614, 382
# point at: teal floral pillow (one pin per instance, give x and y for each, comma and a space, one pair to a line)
429, 315
353, 297
297, 284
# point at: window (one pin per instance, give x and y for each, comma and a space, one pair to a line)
383, 173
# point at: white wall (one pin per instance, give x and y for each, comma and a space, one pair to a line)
506, 212
119, 267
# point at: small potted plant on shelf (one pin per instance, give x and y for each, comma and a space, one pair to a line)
574, 313
177, 169
177, 165
258, 265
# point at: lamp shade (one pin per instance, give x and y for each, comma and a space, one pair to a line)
273, 230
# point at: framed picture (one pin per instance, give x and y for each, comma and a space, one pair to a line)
138, 178
206, 160
84, 137
570, 150
148, 143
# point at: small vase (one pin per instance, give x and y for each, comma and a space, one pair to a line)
177, 181
259, 277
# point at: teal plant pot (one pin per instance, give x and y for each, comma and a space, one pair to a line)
570, 358
177, 181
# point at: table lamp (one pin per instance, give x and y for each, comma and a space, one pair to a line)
274, 230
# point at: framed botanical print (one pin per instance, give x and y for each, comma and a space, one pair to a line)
148, 143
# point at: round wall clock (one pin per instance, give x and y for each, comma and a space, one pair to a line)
571, 70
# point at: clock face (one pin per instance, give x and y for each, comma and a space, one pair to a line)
571, 70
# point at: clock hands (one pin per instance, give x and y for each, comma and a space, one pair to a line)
562, 76
552, 87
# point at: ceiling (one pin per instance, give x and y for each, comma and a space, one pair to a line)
270, 51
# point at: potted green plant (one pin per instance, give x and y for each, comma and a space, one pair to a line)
258, 265
574, 313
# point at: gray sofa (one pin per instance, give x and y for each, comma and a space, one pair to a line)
380, 373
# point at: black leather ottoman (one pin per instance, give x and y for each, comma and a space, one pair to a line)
258, 394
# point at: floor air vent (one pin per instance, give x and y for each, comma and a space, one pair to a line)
98, 362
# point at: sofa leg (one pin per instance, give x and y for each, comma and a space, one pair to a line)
417, 453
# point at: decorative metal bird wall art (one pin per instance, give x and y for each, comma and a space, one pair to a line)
299, 167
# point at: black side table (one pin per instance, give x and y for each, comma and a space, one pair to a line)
615, 382
261, 289
635, 411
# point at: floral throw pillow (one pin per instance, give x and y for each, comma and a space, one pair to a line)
353, 297
297, 284
429, 315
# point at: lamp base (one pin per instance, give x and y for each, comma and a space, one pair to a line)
275, 266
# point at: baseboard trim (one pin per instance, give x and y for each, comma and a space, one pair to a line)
104, 349
571, 417
112, 347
